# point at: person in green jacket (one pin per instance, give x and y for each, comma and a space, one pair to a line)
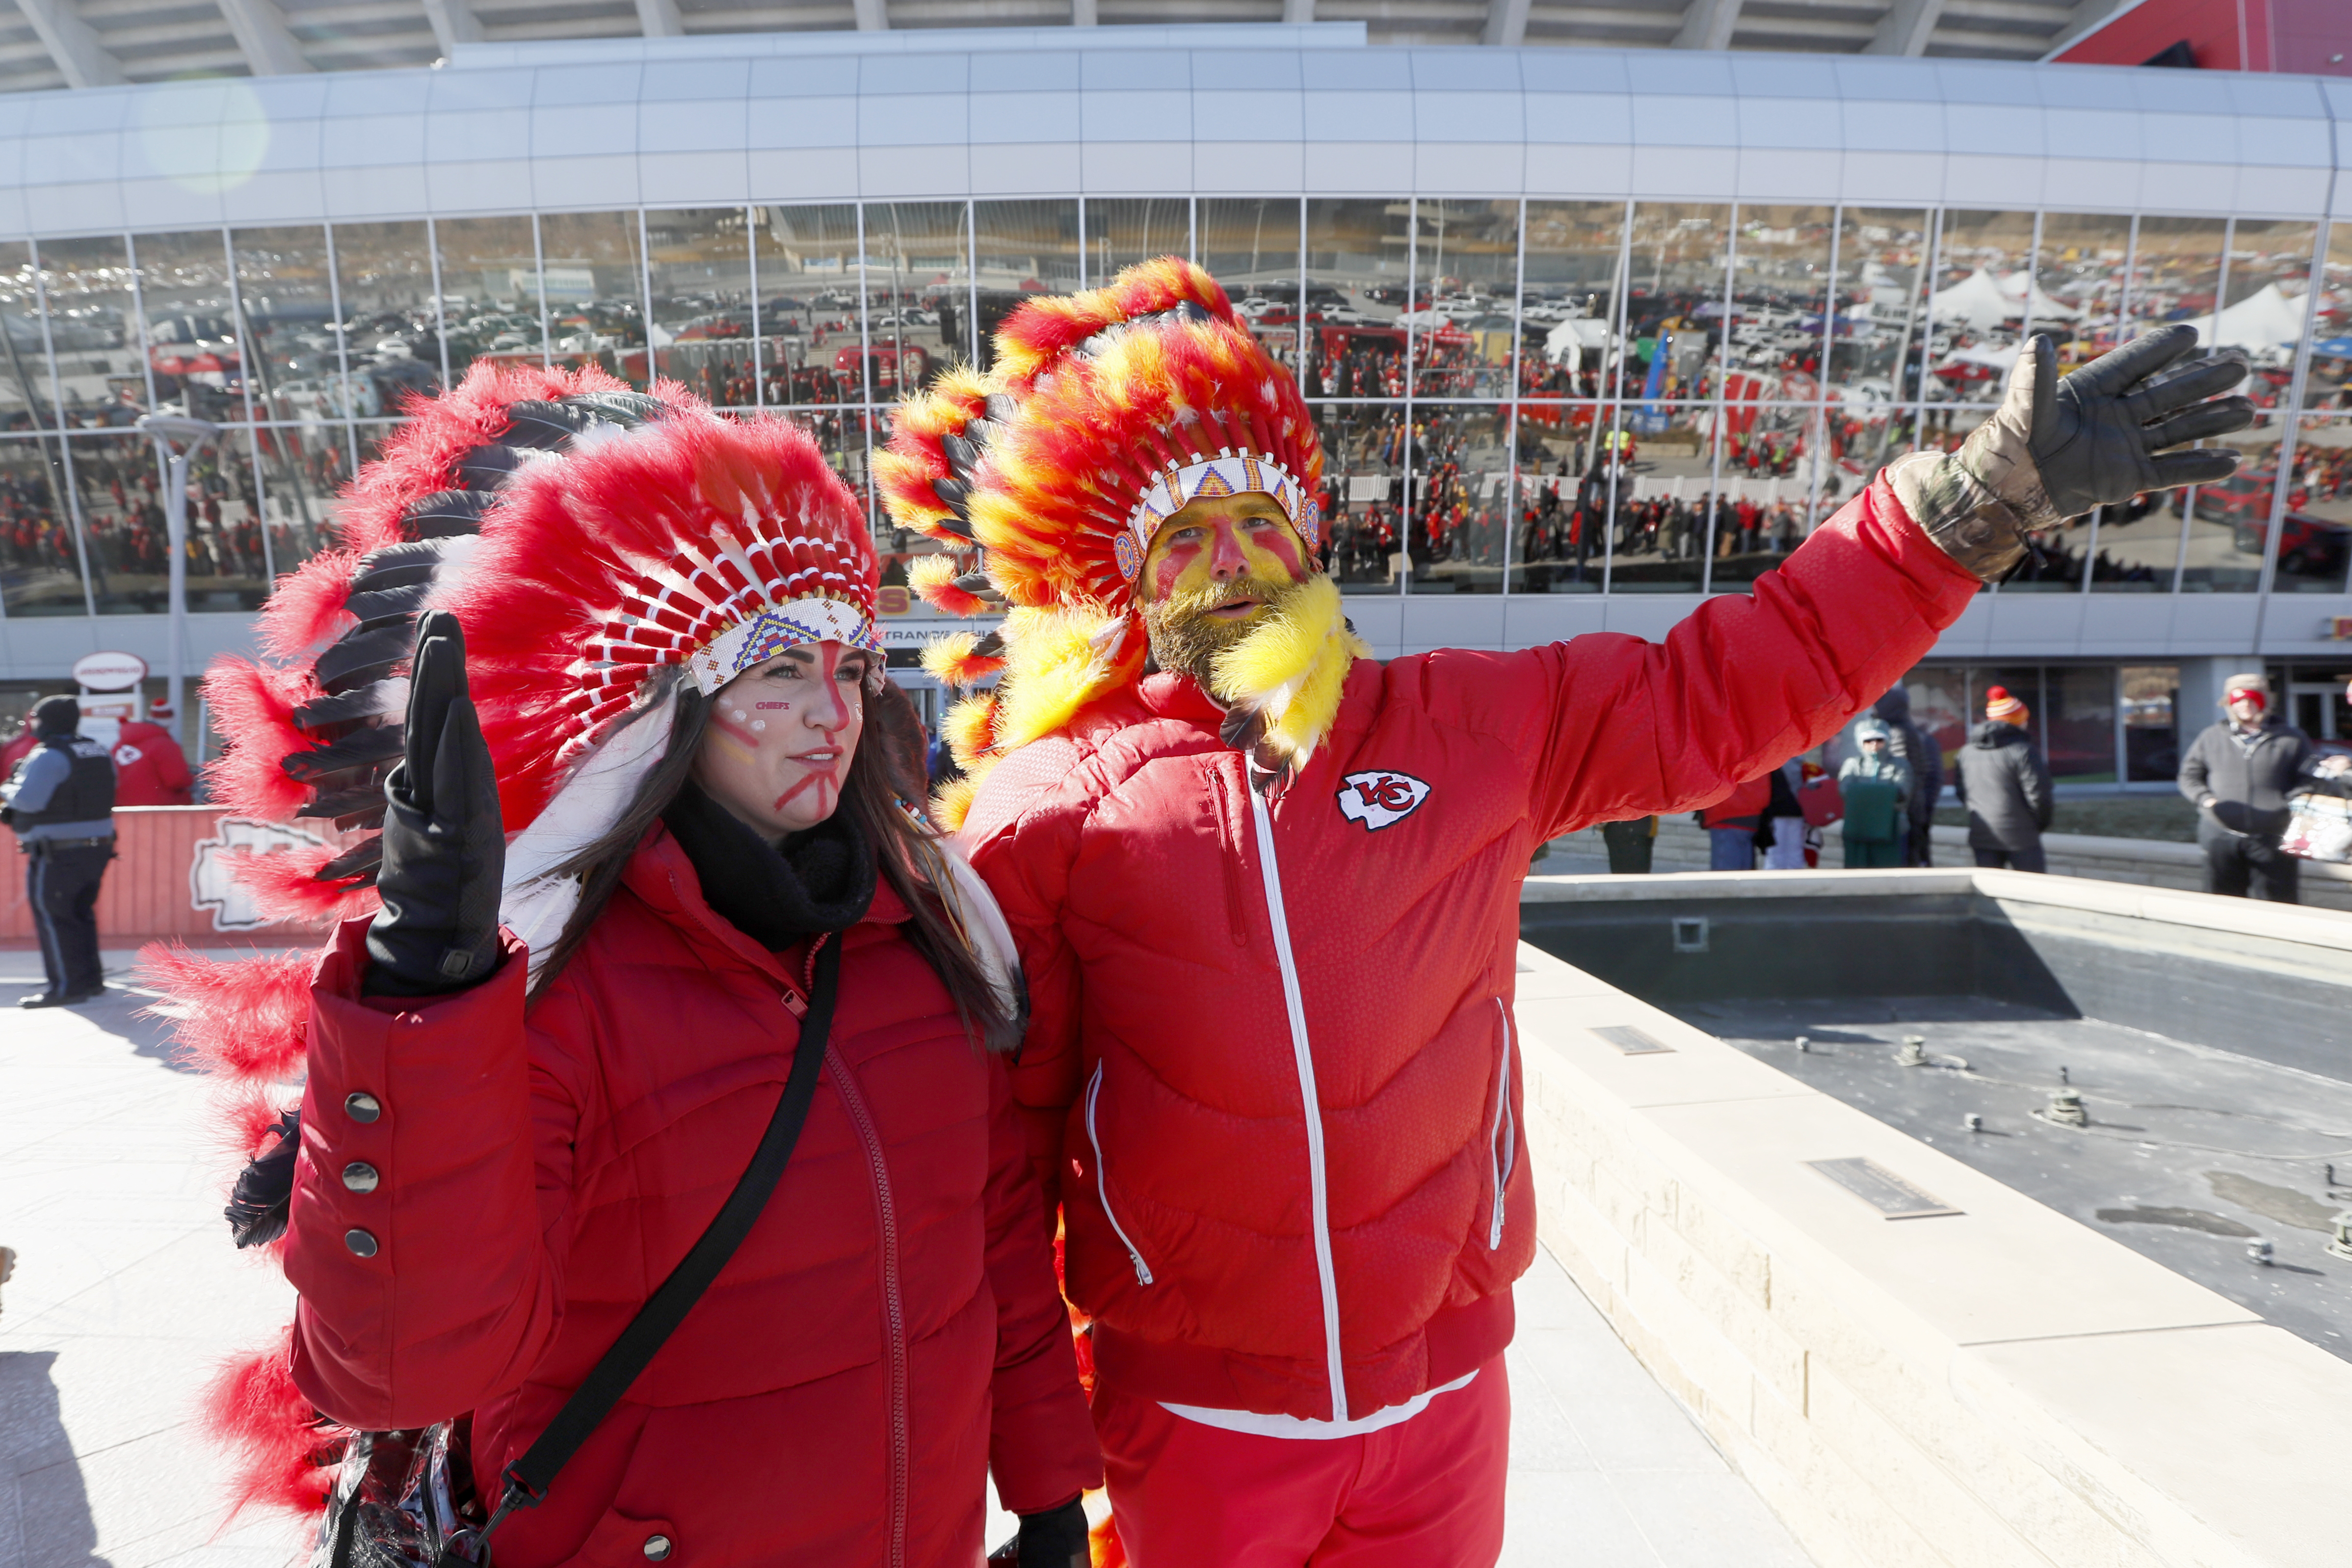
1876, 786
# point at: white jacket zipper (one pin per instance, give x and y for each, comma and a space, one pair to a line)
1102, 1182
1317, 1186
1502, 1142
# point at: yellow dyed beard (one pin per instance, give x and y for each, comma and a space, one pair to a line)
1183, 635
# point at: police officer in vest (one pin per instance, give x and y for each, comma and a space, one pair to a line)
61, 805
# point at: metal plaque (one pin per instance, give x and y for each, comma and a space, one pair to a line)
1882, 1189
1634, 1042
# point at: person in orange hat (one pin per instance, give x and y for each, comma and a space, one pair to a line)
2002, 778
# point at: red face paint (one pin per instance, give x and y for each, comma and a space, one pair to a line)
725, 726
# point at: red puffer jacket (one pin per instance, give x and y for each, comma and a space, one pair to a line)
1271, 1066
888, 1332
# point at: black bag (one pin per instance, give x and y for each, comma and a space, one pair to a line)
406, 1500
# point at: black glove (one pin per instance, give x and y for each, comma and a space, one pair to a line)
1054, 1538
2054, 449
2095, 434
445, 848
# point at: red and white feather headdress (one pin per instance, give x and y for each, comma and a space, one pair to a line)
589, 537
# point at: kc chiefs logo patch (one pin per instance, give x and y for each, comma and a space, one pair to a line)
1381, 798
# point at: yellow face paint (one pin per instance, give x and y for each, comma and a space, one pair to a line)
1219, 539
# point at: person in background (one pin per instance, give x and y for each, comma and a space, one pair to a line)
2003, 780
2239, 773
1917, 751
1631, 844
17, 747
60, 803
150, 769
1876, 786
1731, 824
1784, 819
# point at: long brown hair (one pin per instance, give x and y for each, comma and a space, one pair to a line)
885, 770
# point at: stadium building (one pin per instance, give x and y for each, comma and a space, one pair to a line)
1592, 332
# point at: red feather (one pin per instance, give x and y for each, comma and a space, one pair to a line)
305, 610
283, 1453
420, 457
253, 706
241, 1018
286, 884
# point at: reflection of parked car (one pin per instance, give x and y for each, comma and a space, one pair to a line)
2308, 546
2242, 498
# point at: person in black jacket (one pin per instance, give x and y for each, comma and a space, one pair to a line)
2000, 776
61, 805
2239, 773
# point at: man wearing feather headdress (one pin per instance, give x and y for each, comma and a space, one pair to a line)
1265, 885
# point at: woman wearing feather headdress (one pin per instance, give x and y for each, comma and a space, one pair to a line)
642, 795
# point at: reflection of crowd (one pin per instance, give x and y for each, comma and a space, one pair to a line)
1663, 527
31, 538
2326, 473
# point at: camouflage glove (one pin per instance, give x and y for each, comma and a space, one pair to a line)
2054, 448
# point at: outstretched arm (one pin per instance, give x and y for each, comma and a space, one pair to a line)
1622, 727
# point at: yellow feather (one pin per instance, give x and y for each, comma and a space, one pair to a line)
969, 729
945, 660
930, 571
1292, 669
1053, 667
951, 802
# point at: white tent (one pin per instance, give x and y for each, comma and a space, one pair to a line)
2264, 319
2018, 284
1975, 302
1999, 361
1565, 345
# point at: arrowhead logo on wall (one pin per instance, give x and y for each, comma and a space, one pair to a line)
1381, 798
213, 881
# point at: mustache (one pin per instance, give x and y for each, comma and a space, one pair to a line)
1200, 601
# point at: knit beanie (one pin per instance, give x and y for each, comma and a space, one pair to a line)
2001, 705
55, 717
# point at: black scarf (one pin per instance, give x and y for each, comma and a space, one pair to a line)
820, 880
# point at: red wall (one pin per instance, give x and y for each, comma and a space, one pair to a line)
2293, 35
150, 888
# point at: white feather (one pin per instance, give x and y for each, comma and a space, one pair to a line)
457, 565
984, 929
534, 903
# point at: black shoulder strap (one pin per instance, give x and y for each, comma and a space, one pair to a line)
529, 1478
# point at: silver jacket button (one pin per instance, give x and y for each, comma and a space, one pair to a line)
361, 1106
362, 1244
657, 1548
361, 1176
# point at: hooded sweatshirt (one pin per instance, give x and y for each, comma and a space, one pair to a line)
1918, 751
2003, 780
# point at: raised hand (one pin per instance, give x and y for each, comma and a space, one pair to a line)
2056, 448
444, 844
2096, 436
